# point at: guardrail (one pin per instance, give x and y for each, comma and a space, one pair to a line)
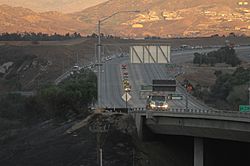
22, 93
220, 113
67, 74
210, 113
118, 110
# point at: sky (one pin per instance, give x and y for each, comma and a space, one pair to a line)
65, 6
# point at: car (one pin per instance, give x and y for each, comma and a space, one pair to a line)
125, 77
121, 55
125, 82
124, 66
108, 58
157, 102
127, 88
125, 74
76, 68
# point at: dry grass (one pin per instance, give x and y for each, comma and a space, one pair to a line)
203, 75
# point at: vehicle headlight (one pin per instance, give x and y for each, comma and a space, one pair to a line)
152, 105
165, 105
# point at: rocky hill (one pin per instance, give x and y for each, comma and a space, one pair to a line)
65, 6
172, 18
157, 18
18, 19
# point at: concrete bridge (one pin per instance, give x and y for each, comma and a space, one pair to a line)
198, 124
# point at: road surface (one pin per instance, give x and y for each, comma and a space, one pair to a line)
143, 74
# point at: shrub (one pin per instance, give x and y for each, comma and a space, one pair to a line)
223, 55
69, 98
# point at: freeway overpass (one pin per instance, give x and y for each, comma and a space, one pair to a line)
143, 74
138, 74
198, 124
198, 121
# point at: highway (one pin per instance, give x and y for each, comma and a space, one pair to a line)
180, 57
139, 74
143, 74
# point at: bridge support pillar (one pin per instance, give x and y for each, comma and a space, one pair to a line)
198, 151
138, 123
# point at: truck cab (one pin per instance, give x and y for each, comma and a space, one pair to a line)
157, 102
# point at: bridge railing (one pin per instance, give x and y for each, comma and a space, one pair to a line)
221, 113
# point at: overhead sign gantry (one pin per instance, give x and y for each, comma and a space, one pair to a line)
150, 53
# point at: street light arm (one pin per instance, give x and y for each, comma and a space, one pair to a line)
99, 49
124, 11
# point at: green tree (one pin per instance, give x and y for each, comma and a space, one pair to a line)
238, 96
223, 55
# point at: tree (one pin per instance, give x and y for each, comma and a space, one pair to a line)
72, 96
218, 73
223, 55
37, 36
238, 96
230, 87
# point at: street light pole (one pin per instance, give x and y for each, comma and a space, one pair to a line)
186, 100
100, 156
99, 65
126, 100
99, 51
249, 92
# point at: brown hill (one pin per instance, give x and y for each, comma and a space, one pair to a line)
27, 66
13, 19
172, 18
159, 18
64, 6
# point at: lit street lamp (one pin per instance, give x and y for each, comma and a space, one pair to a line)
99, 51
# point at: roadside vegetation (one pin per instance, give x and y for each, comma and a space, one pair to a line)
228, 92
229, 87
223, 55
37, 36
72, 97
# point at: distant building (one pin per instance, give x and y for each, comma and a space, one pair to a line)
242, 3
137, 26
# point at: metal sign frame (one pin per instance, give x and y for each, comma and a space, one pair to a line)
150, 53
152, 50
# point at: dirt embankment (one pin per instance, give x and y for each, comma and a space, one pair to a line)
34, 65
58, 143
75, 142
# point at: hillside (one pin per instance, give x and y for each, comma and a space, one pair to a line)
14, 19
26, 66
158, 17
65, 6
172, 18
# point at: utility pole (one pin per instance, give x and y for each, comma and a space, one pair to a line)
186, 90
77, 60
63, 66
99, 128
99, 50
200, 59
99, 65
126, 99
100, 156
186, 100
133, 157
249, 92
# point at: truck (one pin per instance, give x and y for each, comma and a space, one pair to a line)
157, 102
